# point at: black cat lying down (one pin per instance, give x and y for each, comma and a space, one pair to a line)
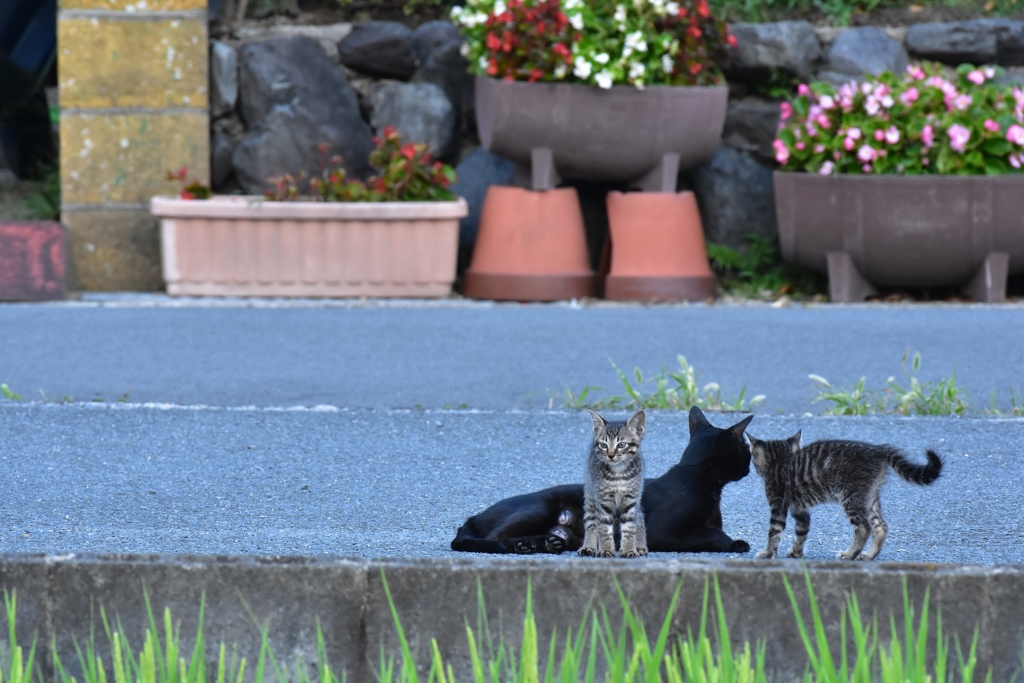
681, 507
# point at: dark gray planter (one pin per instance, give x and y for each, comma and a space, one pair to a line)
903, 231
581, 132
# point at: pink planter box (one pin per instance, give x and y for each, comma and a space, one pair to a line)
31, 261
247, 246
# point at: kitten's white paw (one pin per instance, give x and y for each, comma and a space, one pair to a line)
764, 555
846, 556
796, 554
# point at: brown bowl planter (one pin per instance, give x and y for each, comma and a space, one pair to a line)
32, 258
903, 231
658, 251
246, 246
641, 137
531, 246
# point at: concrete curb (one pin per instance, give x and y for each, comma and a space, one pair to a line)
59, 599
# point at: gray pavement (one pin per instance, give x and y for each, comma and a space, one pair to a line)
392, 483
152, 349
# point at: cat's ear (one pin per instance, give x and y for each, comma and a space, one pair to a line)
737, 429
697, 420
638, 423
757, 452
794, 441
599, 423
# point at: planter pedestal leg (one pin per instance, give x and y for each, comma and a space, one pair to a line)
541, 173
845, 283
663, 177
989, 283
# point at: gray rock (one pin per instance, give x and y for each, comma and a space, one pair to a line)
863, 51
836, 78
421, 112
327, 35
379, 48
736, 198
223, 78
221, 149
437, 47
292, 98
477, 172
980, 41
788, 45
750, 126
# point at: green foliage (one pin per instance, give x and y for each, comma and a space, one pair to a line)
905, 660
943, 397
675, 390
44, 202
9, 394
758, 270
405, 173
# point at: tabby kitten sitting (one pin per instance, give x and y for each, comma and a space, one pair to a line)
612, 489
847, 472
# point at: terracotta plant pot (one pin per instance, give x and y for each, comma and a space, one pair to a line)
246, 246
32, 257
657, 248
641, 137
903, 231
531, 246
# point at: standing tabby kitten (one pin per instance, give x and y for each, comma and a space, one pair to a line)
847, 472
612, 488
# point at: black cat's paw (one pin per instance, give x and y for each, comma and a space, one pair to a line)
524, 546
605, 553
554, 544
739, 546
586, 552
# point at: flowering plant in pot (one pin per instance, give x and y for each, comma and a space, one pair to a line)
601, 42
538, 62
905, 180
395, 234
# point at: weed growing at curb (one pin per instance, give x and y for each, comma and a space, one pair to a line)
943, 397
665, 390
9, 394
757, 273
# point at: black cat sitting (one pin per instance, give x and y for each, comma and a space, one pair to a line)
682, 507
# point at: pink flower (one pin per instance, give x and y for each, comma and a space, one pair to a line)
962, 102
976, 77
849, 144
827, 102
785, 110
991, 125
879, 135
867, 153
887, 101
892, 135
916, 72
827, 168
823, 121
910, 96
853, 133
1015, 161
928, 136
924, 162
866, 168
800, 146
803, 90
1015, 134
781, 151
818, 149
871, 106
958, 137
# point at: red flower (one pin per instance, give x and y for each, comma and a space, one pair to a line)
492, 68
695, 68
731, 40
390, 133
561, 49
694, 31
409, 150
493, 42
702, 9
185, 194
536, 75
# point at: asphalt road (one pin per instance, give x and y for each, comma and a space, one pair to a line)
376, 483
488, 356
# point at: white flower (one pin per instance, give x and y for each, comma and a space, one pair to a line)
635, 41
577, 21
464, 49
499, 7
667, 65
560, 71
672, 8
582, 68
636, 70
620, 14
603, 79
887, 102
483, 63
570, 5
601, 58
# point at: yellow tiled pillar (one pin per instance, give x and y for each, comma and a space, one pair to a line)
133, 96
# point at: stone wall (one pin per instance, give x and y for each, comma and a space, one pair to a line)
133, 84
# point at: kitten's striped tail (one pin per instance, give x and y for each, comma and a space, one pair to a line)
916, 474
